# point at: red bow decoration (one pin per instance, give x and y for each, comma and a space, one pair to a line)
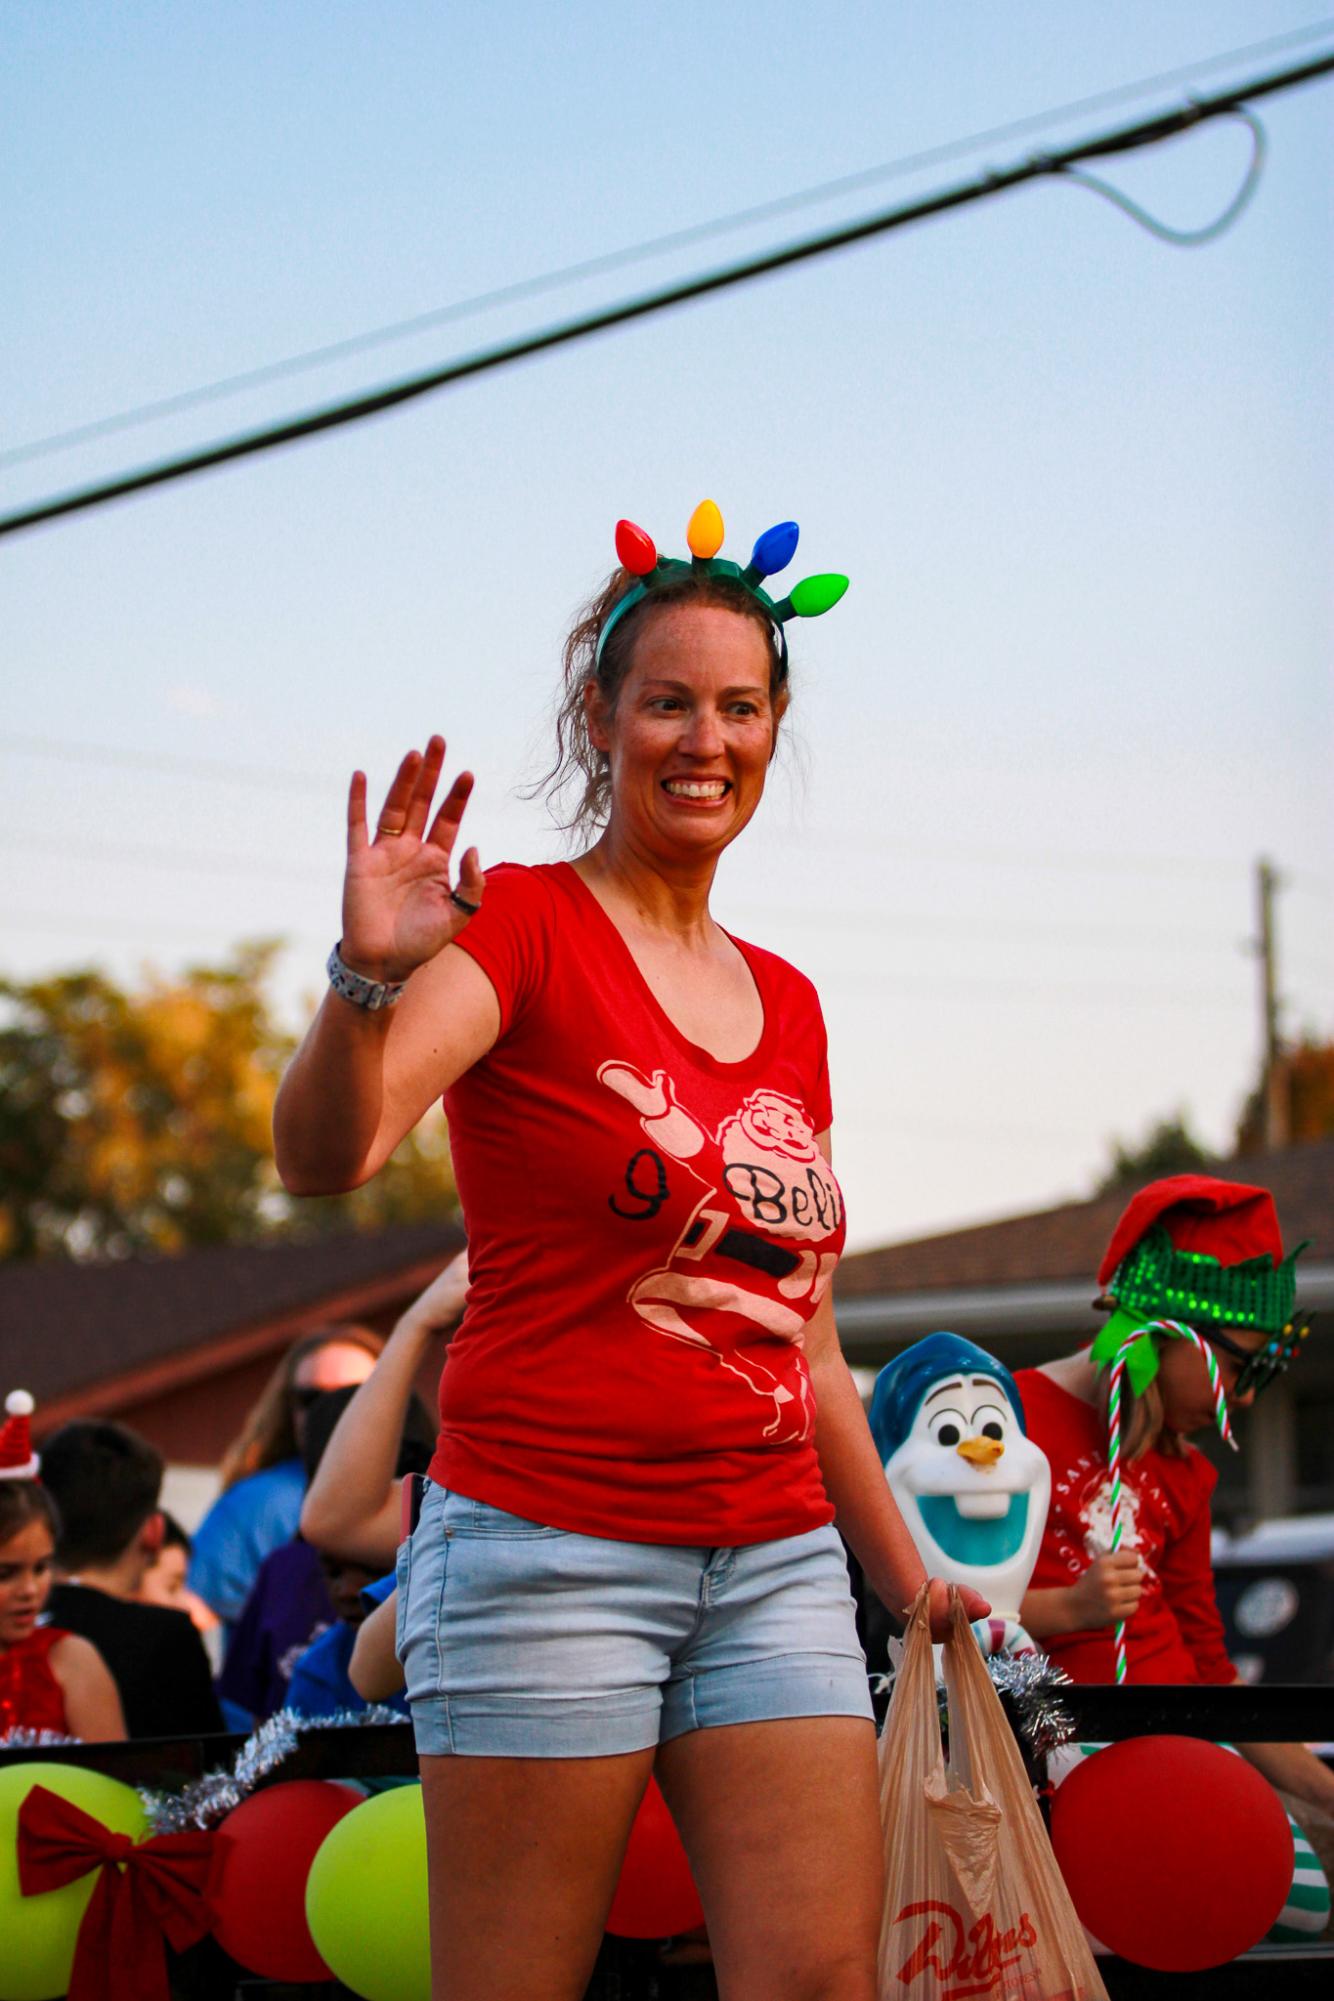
145, 1892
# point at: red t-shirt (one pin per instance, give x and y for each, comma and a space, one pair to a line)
1176, 1634
649, 1231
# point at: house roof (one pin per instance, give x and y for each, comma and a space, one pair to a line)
1066, 1244
67, 1327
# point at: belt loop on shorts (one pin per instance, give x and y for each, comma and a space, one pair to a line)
717, 1570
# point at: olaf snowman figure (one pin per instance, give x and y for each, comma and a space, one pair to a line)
971, 1486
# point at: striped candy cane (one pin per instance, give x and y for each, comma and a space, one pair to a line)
1181, 1333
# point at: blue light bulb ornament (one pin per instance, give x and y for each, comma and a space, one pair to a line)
773, 552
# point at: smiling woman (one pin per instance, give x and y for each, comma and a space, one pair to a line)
626, 1557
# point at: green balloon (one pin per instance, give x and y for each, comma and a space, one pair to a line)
39, 1933
814, 595
366, 1901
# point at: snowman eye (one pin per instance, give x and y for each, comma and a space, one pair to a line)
947, 1427
989, 1421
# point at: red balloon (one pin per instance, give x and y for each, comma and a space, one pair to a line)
1176, 1853
656, 1896
261, 1859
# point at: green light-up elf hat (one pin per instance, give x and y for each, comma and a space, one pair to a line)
772, 552
1196, 1249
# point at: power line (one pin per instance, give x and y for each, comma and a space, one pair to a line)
1023, 989
166, 764
877, 924
270, 777
1147, 132
175, 860
637, 253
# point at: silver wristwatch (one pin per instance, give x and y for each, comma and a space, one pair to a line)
355, 987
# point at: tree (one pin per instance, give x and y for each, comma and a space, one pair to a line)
1170, 1148
141, 1121
1306, 1077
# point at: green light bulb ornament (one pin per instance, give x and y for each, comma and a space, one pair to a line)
812, 596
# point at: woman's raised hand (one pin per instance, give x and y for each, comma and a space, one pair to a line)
399, 905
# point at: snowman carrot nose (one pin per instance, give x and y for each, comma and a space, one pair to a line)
981, 1451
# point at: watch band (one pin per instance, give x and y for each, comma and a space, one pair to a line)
355, 987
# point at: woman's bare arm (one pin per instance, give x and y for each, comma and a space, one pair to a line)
92, 1700
865, 1511
352, 1504
362, 1080
373, 1669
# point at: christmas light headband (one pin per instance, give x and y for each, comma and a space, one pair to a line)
773, 552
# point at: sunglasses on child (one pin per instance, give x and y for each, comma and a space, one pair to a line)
1259, 1366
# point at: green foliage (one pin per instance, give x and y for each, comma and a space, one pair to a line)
141, 1121
1306, 1080
1170, 1148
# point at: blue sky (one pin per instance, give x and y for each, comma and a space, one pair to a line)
1081, 482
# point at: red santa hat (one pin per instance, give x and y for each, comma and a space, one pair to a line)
1226, 1220
18, 1461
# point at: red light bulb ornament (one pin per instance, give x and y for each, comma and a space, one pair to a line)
635, 549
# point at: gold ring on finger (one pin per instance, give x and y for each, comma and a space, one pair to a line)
384, 828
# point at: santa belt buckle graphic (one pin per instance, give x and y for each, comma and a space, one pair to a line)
744, 1248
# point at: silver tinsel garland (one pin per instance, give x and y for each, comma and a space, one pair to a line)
208, 1799
1033, 1685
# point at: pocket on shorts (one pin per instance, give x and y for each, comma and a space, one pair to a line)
402, 1583
465, 1517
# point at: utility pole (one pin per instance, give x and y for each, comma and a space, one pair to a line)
1274, 1081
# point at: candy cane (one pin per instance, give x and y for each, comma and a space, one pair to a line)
1175, 1328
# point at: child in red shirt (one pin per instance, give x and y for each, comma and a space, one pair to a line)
49, 1679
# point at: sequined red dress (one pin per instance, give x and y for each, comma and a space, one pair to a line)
30, 1696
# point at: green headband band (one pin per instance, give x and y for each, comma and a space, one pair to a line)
773, 552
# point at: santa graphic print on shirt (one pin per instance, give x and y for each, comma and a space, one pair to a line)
747, 1264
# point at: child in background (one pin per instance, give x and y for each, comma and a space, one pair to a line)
321, 1684
164, 1580
49, 1679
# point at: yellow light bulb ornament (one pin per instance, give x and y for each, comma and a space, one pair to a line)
704, 535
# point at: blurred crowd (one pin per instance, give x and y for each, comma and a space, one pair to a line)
114, 1622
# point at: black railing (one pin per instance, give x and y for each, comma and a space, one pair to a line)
630, 1971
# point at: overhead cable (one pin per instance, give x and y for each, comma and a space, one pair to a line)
1148, 132
636, 253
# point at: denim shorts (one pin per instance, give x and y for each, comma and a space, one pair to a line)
521, 1641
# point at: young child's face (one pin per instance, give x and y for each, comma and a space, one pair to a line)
25, 1580
164, 1580
345, 1583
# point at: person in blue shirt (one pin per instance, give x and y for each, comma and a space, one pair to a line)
263, 1478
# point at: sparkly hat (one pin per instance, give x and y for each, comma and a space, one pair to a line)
773, 552
1202, 1251
18, 1461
